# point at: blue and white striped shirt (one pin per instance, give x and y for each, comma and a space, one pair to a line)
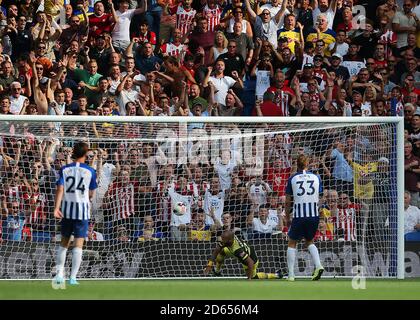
305, 187
77, 179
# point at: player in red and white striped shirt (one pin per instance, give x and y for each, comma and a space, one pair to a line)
184, 16
212, 12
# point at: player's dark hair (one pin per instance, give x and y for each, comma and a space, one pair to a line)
80, 149
302, 162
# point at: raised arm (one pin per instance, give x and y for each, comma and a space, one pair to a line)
333, 5
115, 17
129, 50
251, 12
281, 12
142, 8
207, 77
238, 101
238, 83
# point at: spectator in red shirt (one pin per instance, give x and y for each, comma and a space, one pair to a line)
100, 22
144, 34
322, 234
277, 175
267, 108
379, 56
346, 25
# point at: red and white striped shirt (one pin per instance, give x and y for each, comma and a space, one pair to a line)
388, 37
346, 220
173, 50
121, 195
213, 16
184, 18
38, 215
281, 98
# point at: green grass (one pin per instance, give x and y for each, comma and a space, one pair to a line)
213, 289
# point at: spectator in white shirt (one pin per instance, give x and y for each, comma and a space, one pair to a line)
322, 6
224, 167
221, 82
121, 31
261, 226
412, 216
16, 98
258, 191
125, 92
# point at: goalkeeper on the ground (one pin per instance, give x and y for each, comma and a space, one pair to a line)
230, 245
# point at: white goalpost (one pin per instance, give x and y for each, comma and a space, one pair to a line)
224, 172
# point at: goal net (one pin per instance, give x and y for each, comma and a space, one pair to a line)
167, 190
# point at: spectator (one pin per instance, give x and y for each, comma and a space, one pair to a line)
100, 21
221, 82
261, 226
345, 221
179, 194
404, 22
214, 199
199, 230
412, 170
201, 40
14, 224
94, 235
329, 210
412, 219
322, 234
243, 46
322, 32
121, 31
219, 47
266, 26
324, 7
149, 231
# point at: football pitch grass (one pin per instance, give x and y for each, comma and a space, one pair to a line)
218, 289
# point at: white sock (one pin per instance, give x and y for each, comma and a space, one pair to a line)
315, 255
291, 255
60, 260
76, 261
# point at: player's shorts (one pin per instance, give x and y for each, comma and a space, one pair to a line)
303, 228
77, 228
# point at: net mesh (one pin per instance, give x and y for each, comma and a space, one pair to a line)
166, 191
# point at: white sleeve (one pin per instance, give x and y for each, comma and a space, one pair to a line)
230, 81
130, 13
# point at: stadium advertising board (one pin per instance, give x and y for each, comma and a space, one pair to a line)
169, 259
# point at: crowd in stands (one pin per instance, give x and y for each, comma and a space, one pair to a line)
203, 58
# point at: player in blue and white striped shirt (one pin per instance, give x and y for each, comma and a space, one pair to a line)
303, 190
75, 188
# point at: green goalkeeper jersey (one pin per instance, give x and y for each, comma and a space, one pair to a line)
241, 250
